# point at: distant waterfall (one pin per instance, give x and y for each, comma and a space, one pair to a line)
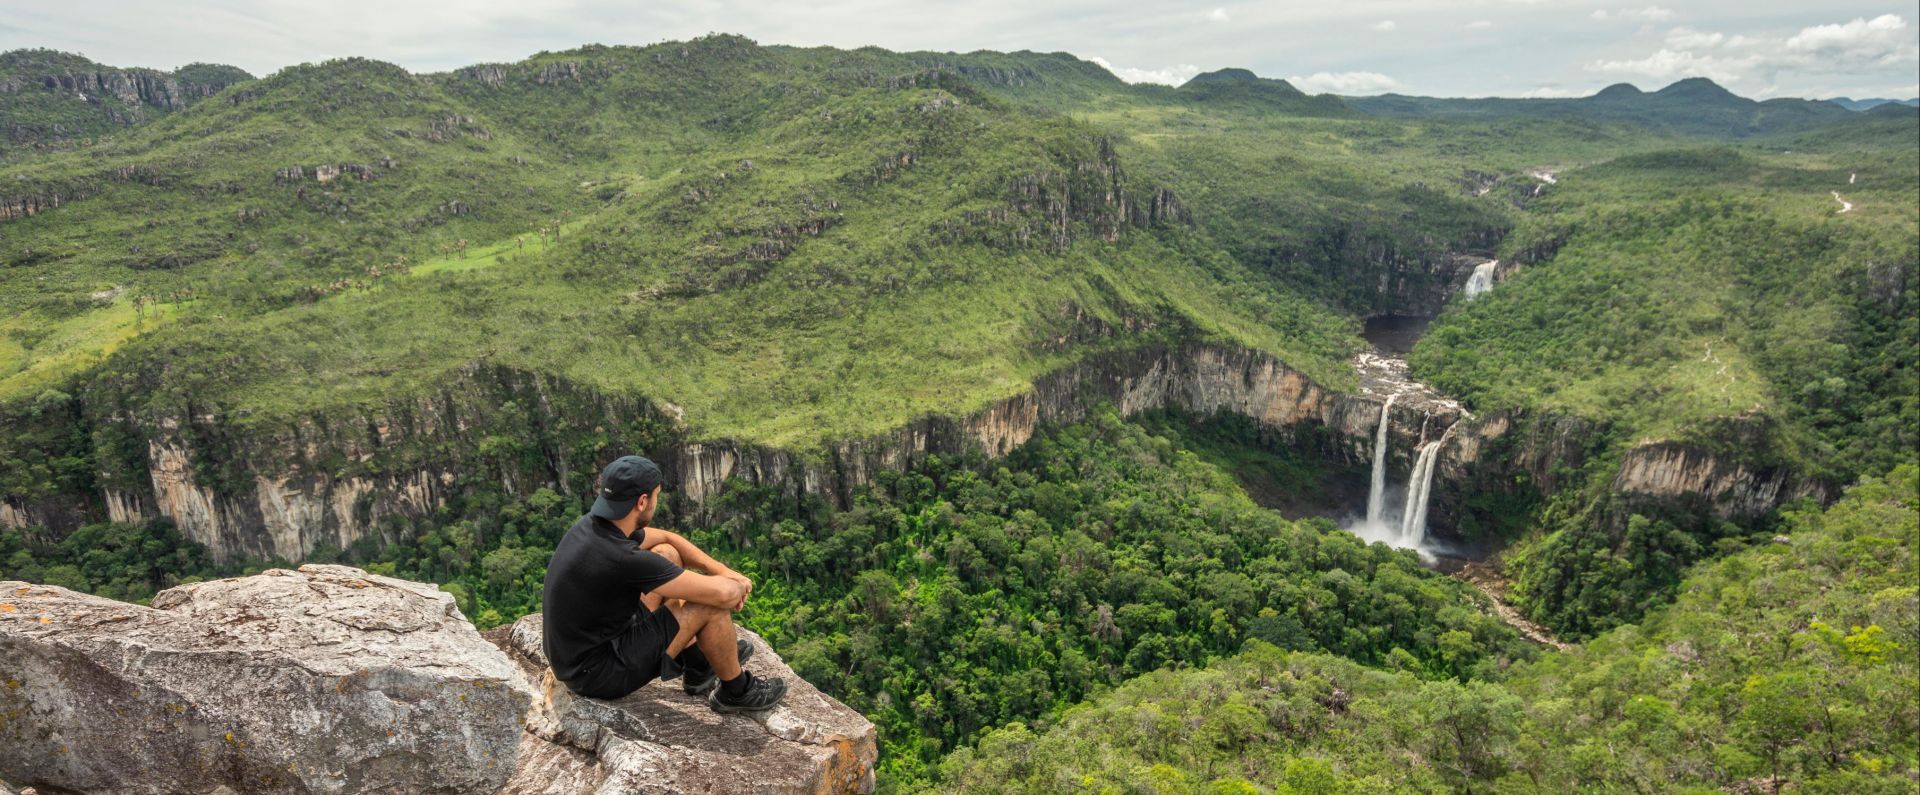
1482, 278
1413, 518
1377, 497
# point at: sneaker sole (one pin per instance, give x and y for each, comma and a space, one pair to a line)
727, 709
730, 709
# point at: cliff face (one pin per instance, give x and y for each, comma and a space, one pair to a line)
64, 96
1196, 378
331, 680
259, 492
1664, 470
264, 490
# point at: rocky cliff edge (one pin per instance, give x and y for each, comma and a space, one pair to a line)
332, 680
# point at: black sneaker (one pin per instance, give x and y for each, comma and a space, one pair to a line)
697, 683
762, 694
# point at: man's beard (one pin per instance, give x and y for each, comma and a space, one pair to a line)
646, 517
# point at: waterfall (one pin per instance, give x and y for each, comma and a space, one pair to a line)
1482, 278
1413, 518
1377, 497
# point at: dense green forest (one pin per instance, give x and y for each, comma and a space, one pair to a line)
1786, 667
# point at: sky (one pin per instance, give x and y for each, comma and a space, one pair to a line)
1810, 48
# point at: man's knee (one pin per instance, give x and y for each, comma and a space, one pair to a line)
667, 551
694, 616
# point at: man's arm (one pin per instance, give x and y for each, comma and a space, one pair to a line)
705, 589
693, 557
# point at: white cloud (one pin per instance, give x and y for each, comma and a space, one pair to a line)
1882, 41
1480, 24
1552, 92
1674, 64
1859, 47
1345, 83
1218, 15
1383, 25
1648, 14
1688, 39
1171, 75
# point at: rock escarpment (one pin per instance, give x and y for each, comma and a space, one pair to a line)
64, 96
258, 492
262, 490
1197, 378
332, 680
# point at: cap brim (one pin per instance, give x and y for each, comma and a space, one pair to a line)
613, 509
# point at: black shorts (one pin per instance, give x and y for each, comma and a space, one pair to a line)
631, 659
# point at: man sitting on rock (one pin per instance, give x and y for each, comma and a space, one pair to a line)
621, 611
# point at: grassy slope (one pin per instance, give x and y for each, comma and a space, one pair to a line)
890, 291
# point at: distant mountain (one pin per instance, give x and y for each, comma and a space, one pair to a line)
52, 96
1239, 86
1869, 104
1694, 106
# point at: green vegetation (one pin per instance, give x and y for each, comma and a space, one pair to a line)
1788, 667
831, 255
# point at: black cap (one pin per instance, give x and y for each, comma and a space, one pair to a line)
622, 484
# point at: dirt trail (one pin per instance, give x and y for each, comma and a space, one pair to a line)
1844, 204
1482, 575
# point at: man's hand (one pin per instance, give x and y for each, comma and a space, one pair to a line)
693, 557
746, 586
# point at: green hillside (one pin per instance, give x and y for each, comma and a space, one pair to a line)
794, 229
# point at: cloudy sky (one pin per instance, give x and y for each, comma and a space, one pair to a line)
1760, 48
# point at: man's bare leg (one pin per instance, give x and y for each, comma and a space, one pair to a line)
712, 628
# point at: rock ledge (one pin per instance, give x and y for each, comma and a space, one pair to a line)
332, 680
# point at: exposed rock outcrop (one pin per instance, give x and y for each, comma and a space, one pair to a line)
12, 207
94, 98
660, 739
1665, 470
327, 679
332, 680
281, 490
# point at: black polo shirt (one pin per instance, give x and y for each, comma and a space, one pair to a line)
593, 589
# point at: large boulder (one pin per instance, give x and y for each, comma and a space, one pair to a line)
658, 739
326, 679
